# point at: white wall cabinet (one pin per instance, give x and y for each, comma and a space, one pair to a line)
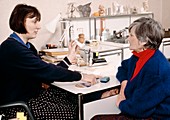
126, 53
165, 47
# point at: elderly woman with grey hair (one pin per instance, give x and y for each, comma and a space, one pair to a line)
144, 77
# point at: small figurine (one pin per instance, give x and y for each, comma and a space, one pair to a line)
95, 14
84, 10
146, 6
70, 10
81, 38
101, 10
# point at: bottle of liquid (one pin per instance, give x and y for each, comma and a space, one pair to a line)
105, 34
103, 37
98, 34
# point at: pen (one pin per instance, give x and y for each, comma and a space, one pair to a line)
89, 55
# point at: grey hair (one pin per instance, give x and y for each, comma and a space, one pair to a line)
148, 30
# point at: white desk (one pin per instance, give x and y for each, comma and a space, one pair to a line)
87, 110
70, 86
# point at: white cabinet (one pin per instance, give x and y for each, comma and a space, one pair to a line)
167, 51
115, 62
165, 47
127, 53
111, 53
103, 106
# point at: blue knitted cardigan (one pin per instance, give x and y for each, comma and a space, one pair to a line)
148, 94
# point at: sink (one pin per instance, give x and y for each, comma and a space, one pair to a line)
118, 40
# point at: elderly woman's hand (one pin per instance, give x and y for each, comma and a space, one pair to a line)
72, 51
121, 95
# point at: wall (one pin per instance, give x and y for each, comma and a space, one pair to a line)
51, 8
165, 14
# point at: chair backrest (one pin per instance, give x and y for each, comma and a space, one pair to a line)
19, 103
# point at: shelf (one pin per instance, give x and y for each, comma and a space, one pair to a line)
108, 16
93, 26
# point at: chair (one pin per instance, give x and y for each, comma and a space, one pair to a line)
21, 104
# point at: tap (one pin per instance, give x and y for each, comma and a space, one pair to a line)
71, 32
121, 33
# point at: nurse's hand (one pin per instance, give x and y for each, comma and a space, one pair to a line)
72, 51
91, 78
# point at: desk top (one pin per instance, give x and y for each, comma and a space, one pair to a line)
71, 86
105, 70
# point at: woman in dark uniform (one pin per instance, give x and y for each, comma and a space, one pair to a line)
23, 71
